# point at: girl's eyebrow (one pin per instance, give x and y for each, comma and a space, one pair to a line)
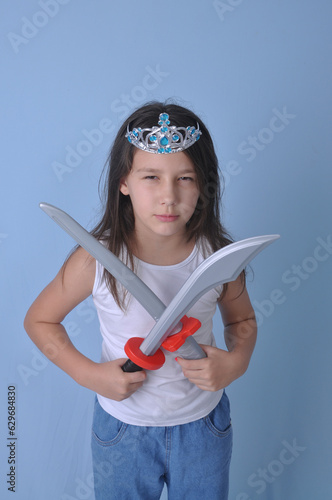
186, 170
148, 169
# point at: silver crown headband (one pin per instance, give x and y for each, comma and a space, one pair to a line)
166, 138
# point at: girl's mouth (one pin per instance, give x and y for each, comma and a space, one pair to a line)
167, 218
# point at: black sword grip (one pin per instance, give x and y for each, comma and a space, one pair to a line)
130, 366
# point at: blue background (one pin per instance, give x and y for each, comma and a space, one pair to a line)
71, 67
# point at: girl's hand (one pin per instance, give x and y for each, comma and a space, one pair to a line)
214, 372
108, 380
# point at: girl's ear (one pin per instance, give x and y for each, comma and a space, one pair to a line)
123, 186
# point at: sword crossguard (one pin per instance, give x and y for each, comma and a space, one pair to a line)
172, 343
189, 327
152, 362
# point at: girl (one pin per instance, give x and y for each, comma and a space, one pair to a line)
169, 426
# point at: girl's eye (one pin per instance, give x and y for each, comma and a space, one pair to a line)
186, 179
150, 177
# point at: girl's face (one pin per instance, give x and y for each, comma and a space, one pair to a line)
164, 192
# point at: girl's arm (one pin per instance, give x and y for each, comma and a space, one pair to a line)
221, 367
43, 324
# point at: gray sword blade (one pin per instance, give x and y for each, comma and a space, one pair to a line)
145, 296
115, 266
223, 266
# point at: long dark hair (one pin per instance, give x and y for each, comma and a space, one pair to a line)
117, 222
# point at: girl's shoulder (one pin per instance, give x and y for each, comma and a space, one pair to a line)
204, 247
79, 264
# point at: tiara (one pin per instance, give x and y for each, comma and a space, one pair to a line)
163, 139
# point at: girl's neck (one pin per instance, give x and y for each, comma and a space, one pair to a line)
162, 252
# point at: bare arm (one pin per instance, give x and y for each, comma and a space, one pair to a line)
221, 367
43, 325
240, 324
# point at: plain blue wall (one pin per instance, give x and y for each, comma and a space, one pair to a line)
70, 67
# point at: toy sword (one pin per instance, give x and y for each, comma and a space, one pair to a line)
144, 295
221, 267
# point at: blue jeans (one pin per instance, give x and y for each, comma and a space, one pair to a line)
132, 462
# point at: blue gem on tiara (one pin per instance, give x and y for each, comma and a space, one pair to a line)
165, 138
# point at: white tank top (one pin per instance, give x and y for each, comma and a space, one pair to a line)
166, 398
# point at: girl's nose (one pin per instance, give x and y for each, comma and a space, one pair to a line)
168, 194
